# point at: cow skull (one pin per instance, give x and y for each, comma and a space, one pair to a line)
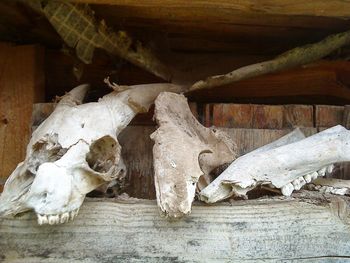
286, 167
74, 151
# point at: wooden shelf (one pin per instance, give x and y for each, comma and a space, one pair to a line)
308, 227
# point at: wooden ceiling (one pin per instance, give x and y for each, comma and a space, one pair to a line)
200, 38
244, 27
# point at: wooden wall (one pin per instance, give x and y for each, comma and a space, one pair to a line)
21, 85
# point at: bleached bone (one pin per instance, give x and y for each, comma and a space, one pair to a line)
330, 185
74, 151
287, 167
183, 151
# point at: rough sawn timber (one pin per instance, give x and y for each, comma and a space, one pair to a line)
335, 8
309, 227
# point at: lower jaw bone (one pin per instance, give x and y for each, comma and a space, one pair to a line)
287, 167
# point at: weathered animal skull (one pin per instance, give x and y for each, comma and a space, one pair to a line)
74, 151
184, 151
286, 167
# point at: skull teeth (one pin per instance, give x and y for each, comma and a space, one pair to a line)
73, 214
322, 172
328, 189
54, 219
287, 189
42, 219
314, 175
64, 218
299, 182
330, 168
308, 178
57, 219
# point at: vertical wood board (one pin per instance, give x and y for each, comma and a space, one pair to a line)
21, 85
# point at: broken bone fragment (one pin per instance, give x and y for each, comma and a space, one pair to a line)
183, 151
287, 167
330, 185
74, 151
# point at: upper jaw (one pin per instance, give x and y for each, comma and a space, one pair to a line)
287, 167
55, 219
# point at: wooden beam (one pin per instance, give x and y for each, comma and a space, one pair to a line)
303, 228
293, 58
323, 82
323, 8
21, 85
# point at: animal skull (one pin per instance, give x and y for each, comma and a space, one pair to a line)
74, 151
184, 151
286, 167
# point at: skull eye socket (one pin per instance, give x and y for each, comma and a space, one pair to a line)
47, 149
104, 154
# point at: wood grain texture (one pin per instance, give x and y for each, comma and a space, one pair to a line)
273, 230
247, 116
21, 85
328, 116
336, 8
248, 140
298, 116
346, 117
258, 116
319, 83
137, 154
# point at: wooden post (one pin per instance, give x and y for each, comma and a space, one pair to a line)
21, 85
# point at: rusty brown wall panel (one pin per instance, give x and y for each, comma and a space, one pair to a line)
21, 85
328, 116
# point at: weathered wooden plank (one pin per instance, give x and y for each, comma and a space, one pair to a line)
298, 116
248, 116
137, 154
346, 117
328, 116
290, 229
248, 140
320, 83
316, 8
21, 85
259, 116
40, 112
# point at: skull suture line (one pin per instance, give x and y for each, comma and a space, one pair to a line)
74, 151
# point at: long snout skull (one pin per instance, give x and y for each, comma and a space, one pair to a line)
74, 151
183, 152
287, 167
